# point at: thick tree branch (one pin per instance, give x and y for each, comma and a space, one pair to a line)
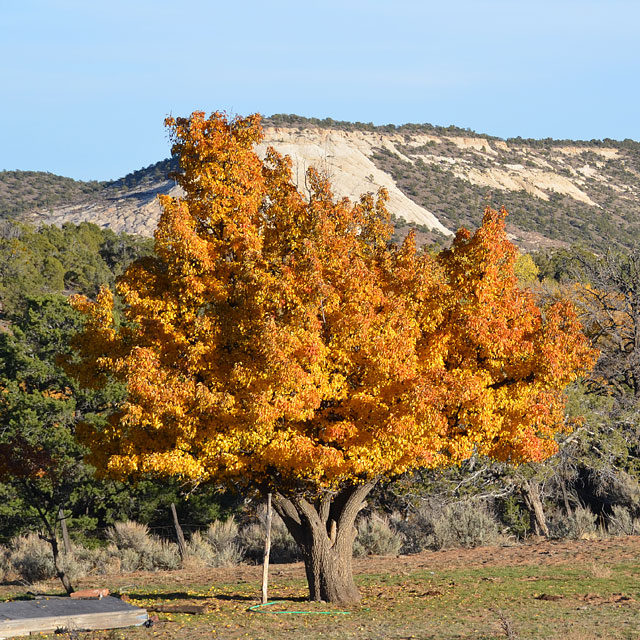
287, 511
347, 505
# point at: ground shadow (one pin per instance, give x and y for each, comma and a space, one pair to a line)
176, 595
182, 595
227, 597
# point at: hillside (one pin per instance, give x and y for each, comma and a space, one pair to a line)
557, 192
22, 191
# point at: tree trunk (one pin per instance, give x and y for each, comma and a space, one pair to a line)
50, 527
531, 494
60, 572
329, 570
565, 499
325, 531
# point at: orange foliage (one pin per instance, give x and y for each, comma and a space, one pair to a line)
280, 340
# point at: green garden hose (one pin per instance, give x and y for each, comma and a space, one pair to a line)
257, 608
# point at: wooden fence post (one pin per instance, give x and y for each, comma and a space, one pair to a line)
182, 545
65, 532
267, 552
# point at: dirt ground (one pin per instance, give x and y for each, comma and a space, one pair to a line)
536, 552
539, 590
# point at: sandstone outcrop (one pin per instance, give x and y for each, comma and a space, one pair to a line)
593, 176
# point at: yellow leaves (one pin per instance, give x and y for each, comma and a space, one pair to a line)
300, 458
526, 269
57, 394
170, 463
275, 338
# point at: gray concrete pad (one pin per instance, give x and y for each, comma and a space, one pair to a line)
48, 614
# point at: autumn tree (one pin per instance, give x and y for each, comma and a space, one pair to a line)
276, 340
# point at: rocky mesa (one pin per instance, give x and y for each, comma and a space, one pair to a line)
438, 179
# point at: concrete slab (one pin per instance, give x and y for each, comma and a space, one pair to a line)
42, 615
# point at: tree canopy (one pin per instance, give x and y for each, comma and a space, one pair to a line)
277, 339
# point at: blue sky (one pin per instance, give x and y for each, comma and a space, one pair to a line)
86, 84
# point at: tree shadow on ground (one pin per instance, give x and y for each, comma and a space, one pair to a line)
223, 596
227, 597
175, 595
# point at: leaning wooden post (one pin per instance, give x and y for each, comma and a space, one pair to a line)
182, 545
65, 532
267, 551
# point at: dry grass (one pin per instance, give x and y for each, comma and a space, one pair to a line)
575, 634
599, 570
507, 626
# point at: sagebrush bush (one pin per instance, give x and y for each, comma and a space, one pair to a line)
139, 550
377, 537
130, 559
200, 549
416, 528
465, 524
31, 558
222, 534
580, 525
558, 522
283, 546
130, 535
218, 545
622, 522
584, 523
105, 560
78, 564
5, 564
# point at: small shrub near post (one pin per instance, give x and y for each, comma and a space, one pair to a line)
139, 550
222, 534
283, 546
5, 564
130, 535
31, 559
217, 546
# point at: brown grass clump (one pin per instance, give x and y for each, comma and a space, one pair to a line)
598, 570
